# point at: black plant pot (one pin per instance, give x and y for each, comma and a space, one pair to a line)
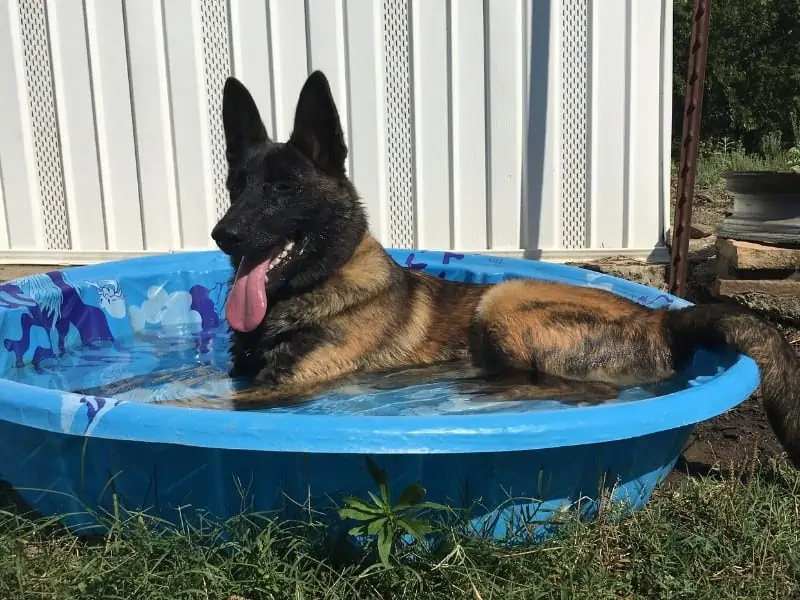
766, 207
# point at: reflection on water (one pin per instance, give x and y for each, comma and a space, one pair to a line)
163, 367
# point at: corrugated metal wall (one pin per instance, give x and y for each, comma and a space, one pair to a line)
479, 125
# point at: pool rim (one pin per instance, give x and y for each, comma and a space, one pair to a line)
43, 408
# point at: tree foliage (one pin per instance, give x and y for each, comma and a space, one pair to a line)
752, 93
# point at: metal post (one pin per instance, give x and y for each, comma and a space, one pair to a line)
693, 107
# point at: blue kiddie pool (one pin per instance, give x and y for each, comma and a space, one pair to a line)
515, 464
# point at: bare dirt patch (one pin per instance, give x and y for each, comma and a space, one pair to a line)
739, 441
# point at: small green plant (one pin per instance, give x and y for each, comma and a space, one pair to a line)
793, 161
386, 520
771, 144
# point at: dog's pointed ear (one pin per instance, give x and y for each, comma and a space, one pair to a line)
241, 120
317, 130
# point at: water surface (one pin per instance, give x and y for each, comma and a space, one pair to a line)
168, 366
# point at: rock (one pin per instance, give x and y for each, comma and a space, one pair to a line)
699, 231
701, 249
752, 256
700, 277
774, 298
773, 287
650, 274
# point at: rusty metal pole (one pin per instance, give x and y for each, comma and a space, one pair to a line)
693, 107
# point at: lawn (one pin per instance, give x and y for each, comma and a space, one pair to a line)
708, 537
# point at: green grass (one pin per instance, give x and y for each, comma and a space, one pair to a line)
705, 538
714, 159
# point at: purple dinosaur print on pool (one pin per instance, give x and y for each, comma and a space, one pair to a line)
89, 321
412, 265
451, 255
209, 319
446, 258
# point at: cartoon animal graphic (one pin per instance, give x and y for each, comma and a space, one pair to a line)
80, 414
209, 319
112, 300
57, 308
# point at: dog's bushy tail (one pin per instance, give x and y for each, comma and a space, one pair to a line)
717, 325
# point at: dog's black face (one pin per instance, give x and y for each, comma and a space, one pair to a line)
294, 216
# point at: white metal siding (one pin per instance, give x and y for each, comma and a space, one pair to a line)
535, 126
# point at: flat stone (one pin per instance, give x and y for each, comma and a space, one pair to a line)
701, 249
773, 287
699, 231
751, 256
650, 274
773, 298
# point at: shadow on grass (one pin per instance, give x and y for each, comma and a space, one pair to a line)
706, 537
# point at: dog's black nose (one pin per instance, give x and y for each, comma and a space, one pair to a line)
227, 238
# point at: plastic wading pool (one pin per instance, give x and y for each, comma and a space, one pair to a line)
515, 463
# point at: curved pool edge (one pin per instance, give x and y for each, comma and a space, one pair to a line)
79, 480
102, 454
59, 411
282, 432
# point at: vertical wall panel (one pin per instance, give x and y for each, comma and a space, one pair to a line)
20, 185
574, 67
365, 35
542, 210
398, 55
326, 52
72, 74
665, 117
609, 197
290, 60
252, 54
468, 117
4, 241
113, 116
152, 118
505, 121
326, 48
645, 123
186, 80
431, 88
500, 125
36, 43
216, 68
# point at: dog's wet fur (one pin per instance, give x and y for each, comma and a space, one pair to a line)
338, 305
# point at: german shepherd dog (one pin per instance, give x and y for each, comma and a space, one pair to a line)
315, 298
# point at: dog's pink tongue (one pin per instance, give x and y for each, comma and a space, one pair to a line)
247, 302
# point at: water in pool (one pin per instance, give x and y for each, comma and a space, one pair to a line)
169, 367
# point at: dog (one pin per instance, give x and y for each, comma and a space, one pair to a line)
315, 298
